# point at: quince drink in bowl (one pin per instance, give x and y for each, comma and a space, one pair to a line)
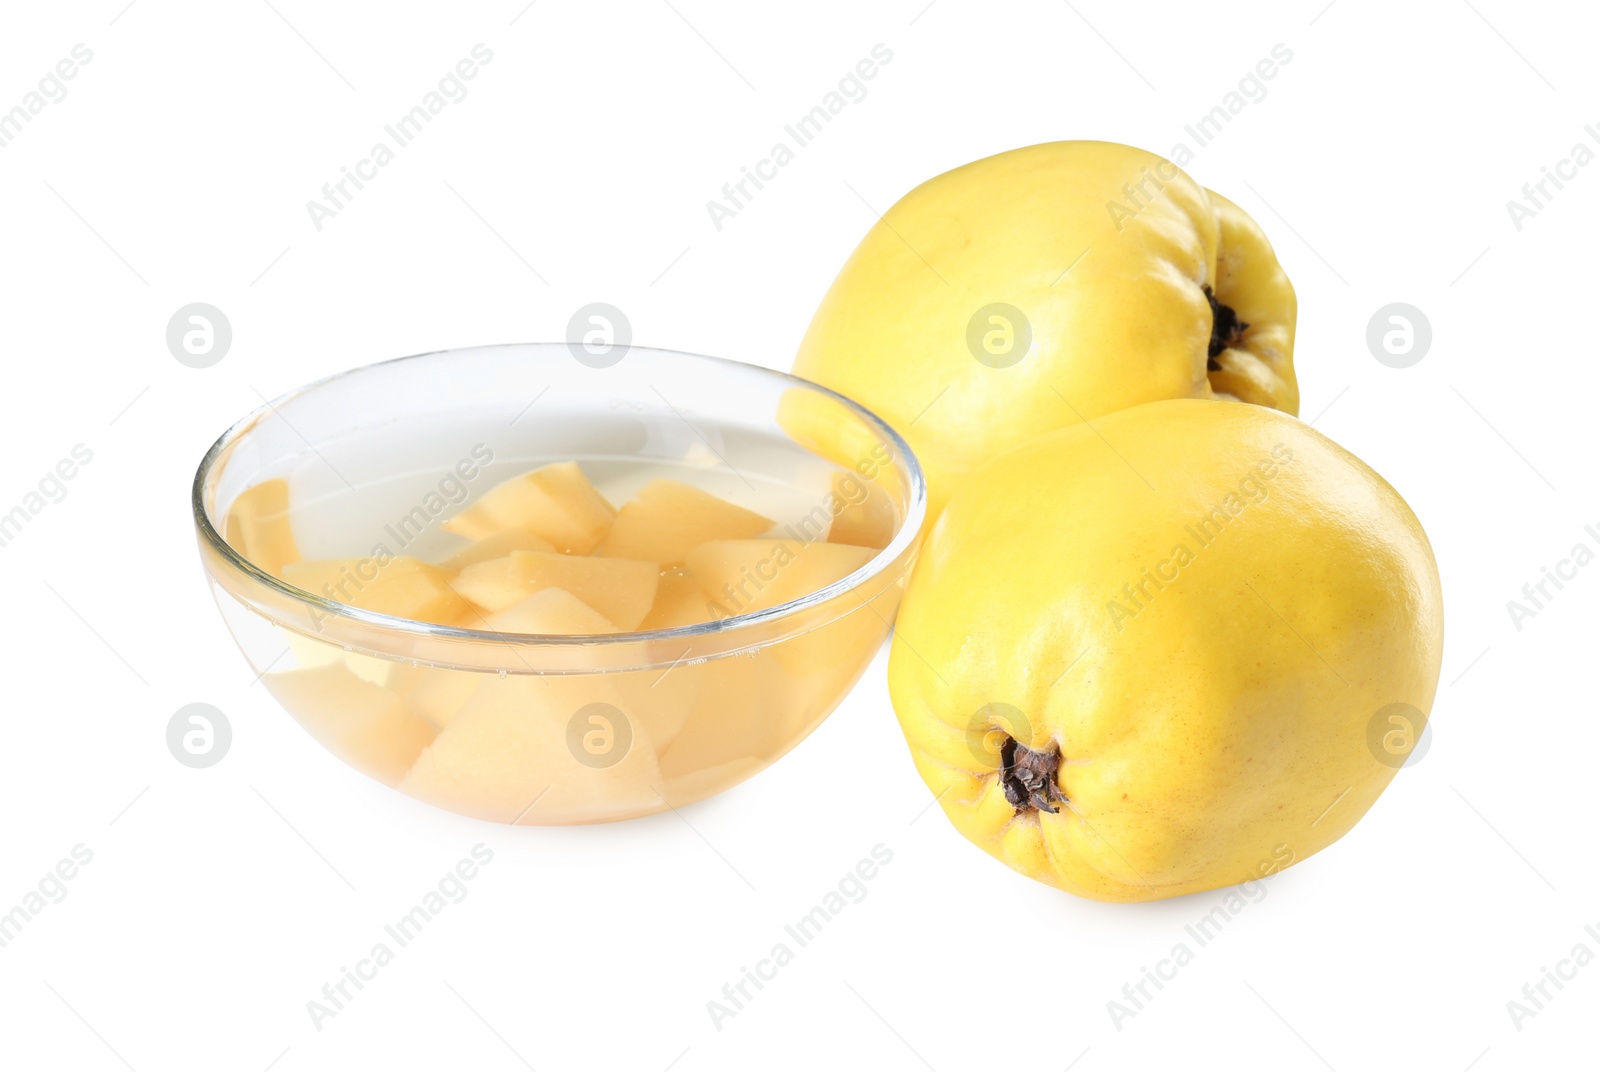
534, 591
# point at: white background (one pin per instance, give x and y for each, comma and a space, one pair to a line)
220, 901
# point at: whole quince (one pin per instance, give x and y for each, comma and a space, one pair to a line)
1180, 648
1036, 289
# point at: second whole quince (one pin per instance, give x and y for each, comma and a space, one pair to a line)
1165, 653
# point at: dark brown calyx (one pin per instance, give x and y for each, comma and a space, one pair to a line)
1226, 330
1029, 777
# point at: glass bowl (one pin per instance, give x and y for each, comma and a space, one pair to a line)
556, 729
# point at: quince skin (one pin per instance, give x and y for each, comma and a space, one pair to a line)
1148, 657
1046, 286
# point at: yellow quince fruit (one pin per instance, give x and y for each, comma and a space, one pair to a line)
1036, 289
1179, 648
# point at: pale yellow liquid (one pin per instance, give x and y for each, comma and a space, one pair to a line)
528, 748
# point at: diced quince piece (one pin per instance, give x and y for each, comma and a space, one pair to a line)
404, 587
310, 651
550, 611
258, 527
679, 601
492, 585
440, 693
363, 724
620, 589
667, 519
820, 666
866, 515
512, 755
556, 502
499, 545
737, 716
660, 698
741, 576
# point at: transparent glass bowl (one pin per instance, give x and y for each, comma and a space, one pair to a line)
552, 729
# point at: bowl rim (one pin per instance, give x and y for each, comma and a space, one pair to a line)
906, 537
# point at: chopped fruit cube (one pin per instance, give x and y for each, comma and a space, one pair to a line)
534, 749
439, 693
258, 527
737, 714
865, 517
840, 645
619, 588
679, 601
741, 576
471, 618
556, 502
309, 651
545, 556
660, 699
666, 520
499, 545
363, 724
492, 585
403, 587
549, 611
